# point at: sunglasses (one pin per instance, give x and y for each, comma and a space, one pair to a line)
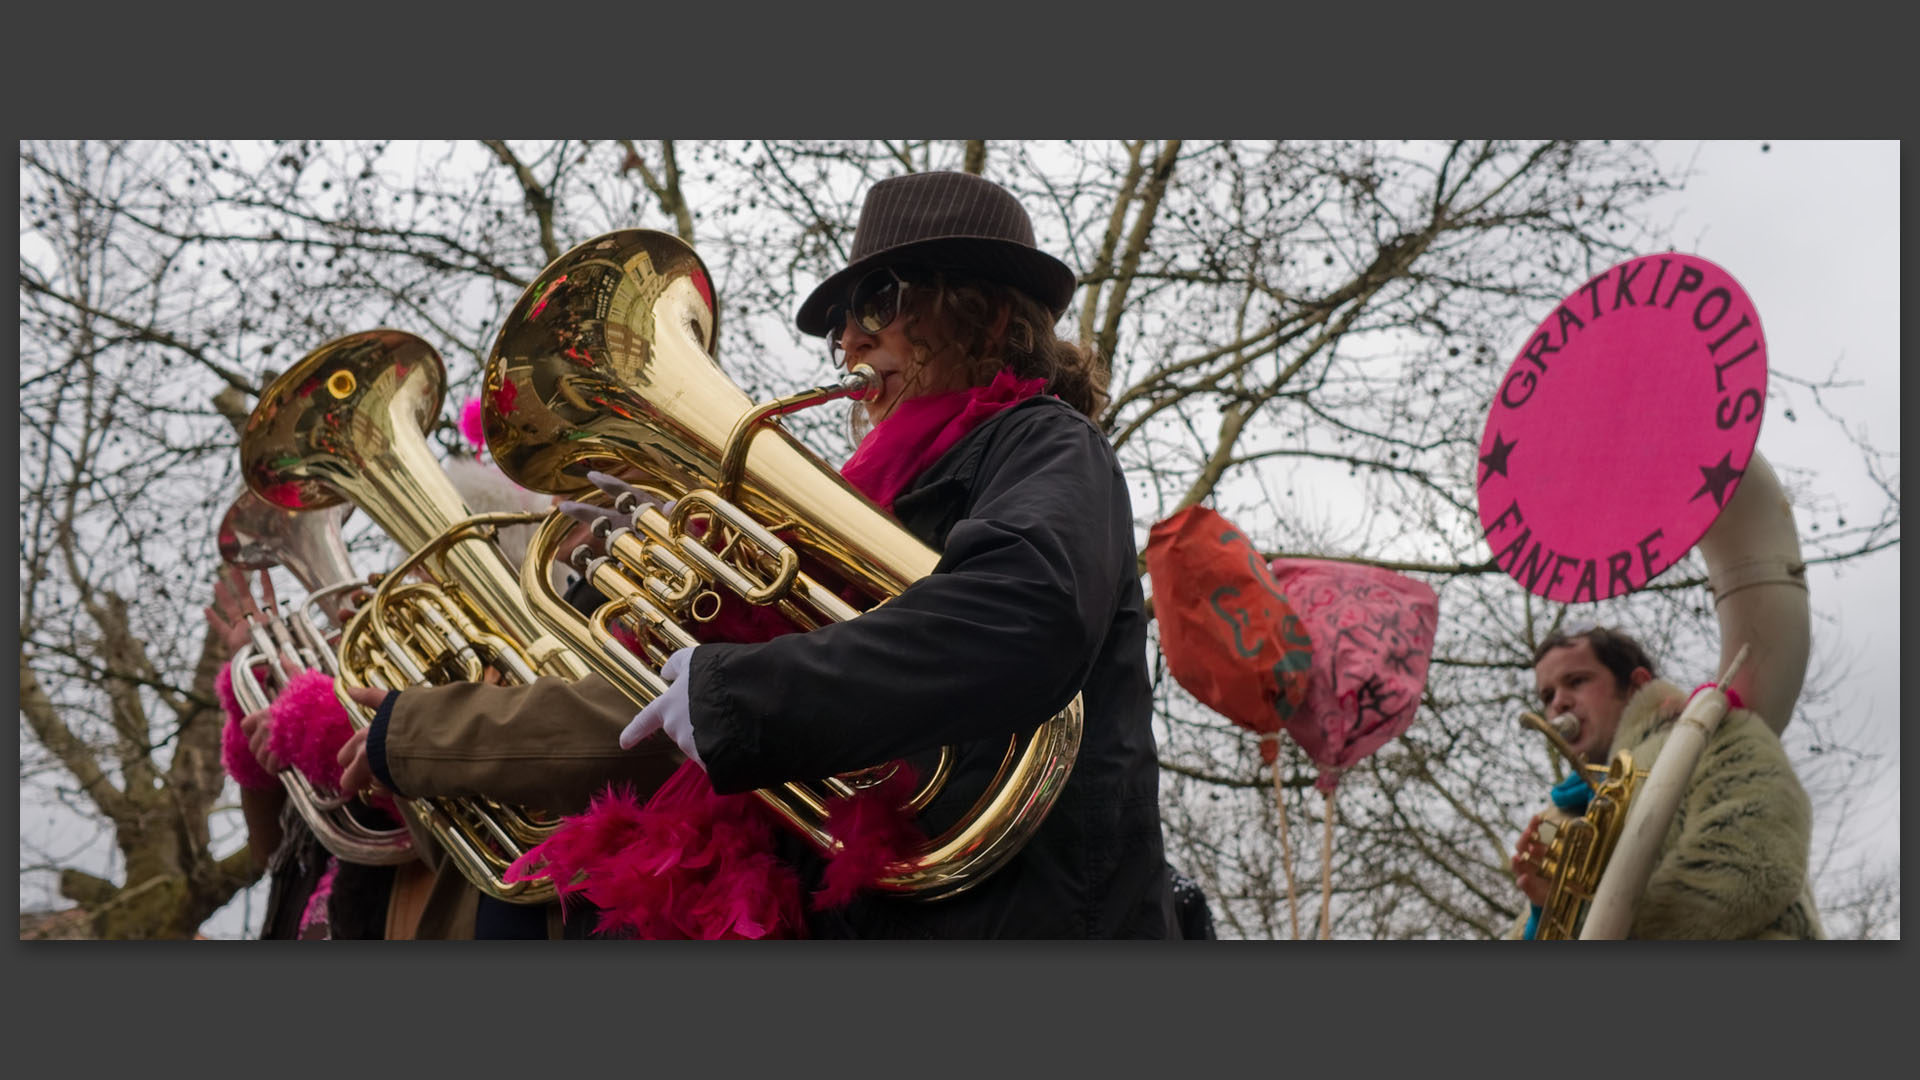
874, 303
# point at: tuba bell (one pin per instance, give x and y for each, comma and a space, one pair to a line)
348, 422
255, 535
1749, 543
604, 364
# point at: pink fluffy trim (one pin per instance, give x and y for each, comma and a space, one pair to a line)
223, 690
689, 864
235, 754
310, 727
873, 831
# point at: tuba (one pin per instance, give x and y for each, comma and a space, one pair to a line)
1749, 543
603, 364
254, 535
348, 422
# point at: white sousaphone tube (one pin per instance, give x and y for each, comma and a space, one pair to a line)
1759, 584
1631, 866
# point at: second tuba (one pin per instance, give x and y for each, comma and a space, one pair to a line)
254, 535
348, 422
604, 364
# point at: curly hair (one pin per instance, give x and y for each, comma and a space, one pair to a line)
1076, 373
1617, 652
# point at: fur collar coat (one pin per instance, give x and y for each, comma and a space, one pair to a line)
1734, 861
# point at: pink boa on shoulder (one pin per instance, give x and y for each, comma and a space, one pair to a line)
235, 754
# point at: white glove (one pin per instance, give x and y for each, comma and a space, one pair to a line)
587, 514
671, 712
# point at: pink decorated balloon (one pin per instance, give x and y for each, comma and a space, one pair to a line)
1372, 633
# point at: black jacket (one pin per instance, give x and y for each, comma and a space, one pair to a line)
1036, 597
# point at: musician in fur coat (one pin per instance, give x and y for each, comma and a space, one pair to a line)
1734, 861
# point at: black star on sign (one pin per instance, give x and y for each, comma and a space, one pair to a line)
1717, 479
1495, 459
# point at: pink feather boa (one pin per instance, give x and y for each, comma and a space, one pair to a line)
235, 754
693, 865
873, 831
688, 865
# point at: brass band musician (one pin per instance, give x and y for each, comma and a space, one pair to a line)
1734, 860
981, 444
312, 893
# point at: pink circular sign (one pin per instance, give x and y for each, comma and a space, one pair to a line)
1622, 428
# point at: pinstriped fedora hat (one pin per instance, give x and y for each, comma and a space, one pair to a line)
949, 221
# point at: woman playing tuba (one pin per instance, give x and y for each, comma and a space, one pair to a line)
981, 447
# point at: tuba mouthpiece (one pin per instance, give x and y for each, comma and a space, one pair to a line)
859, 381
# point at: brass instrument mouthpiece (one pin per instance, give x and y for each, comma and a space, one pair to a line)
1566, 725
860, 381
1560, 731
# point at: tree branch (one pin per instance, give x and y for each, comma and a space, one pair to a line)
147, 334
73, 754
667, 190
539, 201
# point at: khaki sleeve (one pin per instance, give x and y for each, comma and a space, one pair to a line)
548, 745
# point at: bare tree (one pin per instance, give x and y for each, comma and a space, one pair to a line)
118, 699
1303, 335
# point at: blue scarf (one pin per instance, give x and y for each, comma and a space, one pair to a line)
1571, 793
